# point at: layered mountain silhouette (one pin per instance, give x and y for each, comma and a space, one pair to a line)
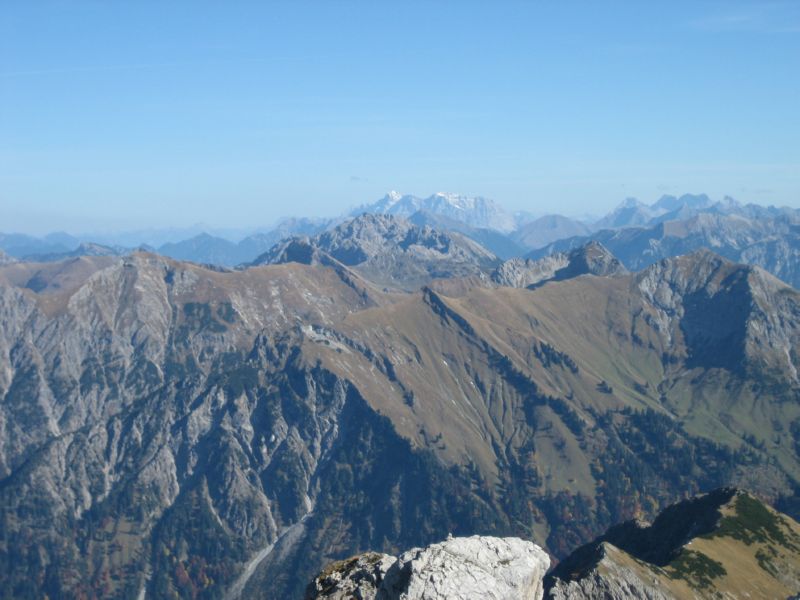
769, 241
638, 234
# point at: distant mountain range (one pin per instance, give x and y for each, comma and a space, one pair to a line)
763, 237
638, 234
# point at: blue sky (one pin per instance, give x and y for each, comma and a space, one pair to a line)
116, 115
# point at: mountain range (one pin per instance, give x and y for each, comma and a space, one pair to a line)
638, 234
169, 429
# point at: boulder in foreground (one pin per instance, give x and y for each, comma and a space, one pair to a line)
456, 569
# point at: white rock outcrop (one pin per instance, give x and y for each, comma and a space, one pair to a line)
467, 568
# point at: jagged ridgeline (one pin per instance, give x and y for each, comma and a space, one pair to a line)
177, 431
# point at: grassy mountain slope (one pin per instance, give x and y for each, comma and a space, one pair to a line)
724, 544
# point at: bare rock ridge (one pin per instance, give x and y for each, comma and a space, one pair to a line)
456, 569
388, 250
592, 258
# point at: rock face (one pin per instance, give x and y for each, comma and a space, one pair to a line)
610, 579
456, 569
593, 258
359, 577
5, 259
496, 242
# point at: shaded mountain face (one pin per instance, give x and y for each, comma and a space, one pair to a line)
211, 250
770, 242
632, 213
20, 245
548, 229
83, 249
724, 544
593, 258
499, 244
473, 211
389, 251
197, 433
204, 249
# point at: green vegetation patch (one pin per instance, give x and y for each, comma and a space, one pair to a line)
755, 523
764, 557
696, 568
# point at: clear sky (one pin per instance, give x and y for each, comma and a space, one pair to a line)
121, 114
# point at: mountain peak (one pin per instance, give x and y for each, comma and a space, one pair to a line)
590, 259
390, 250
474, 211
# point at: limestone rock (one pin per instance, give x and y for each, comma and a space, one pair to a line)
358, 577
388, 250
456, 569
592, 258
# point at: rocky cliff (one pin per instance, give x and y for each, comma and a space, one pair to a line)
590, 259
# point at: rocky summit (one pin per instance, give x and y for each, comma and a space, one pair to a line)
456, 569
389, 250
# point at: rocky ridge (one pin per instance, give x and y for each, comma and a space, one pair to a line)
723, 544
757, 236
590, 259
389, 250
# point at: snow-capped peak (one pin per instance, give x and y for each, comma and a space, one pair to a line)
474, 211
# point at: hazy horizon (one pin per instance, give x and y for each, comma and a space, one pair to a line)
136, 115
235, 233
